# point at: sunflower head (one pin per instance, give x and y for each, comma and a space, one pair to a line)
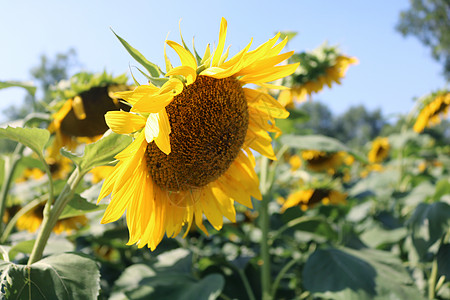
81, 107
320, 161
193, 131
307, 198
32, 219
380, 150
432, 109
322, 66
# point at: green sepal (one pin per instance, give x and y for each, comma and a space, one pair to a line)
150, 67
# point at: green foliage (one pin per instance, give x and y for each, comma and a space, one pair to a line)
64, 276
100, 153
429, 22
34, 138
343, 273
29, 87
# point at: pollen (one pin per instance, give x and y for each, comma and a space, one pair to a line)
209, 122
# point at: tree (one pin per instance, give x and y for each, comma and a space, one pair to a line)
357, 126
429, 21
47, 73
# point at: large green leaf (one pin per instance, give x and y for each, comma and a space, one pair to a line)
317, 142
34, 138
100, 153
169, 286
150, 67
169, 278
343, 273
29, 87
63, 276
428, 224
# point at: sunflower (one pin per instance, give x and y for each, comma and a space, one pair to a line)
310, 197
80, 117
380, 150
434, 109
191, 155
320, 161
32, 219
323, 66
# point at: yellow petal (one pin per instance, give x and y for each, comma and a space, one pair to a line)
186, 57
122, 122
78, 108
152, 103
188, 73
162, 140
219, 50
272, 74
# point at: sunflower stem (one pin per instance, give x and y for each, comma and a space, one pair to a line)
50, 219
264, 220
10, 166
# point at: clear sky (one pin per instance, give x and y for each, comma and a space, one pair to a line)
392, 70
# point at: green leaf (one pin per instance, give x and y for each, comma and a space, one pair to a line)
100, 153
317, 142
168, 286
442, 188
343, 273
34, 138
428, 224
79, 206
150, 67
29, 87
63, 276
376, 236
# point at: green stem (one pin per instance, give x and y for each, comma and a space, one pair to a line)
10, 166
50, 219
247, 286
264, 226
280, 276
432, 280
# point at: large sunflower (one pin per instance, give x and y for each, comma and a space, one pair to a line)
432, 111
191, 154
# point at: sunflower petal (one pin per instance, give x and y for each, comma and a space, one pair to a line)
122, 122
186, 57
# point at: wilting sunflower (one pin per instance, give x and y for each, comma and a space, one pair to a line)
191, 154
320, 161
323, 66
309, 197
32, 219
80, 115
380, 150
433, 110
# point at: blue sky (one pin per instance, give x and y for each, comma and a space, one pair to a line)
392, 70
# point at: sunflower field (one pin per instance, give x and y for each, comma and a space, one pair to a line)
202, 183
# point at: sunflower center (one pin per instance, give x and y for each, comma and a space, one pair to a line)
209, 122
